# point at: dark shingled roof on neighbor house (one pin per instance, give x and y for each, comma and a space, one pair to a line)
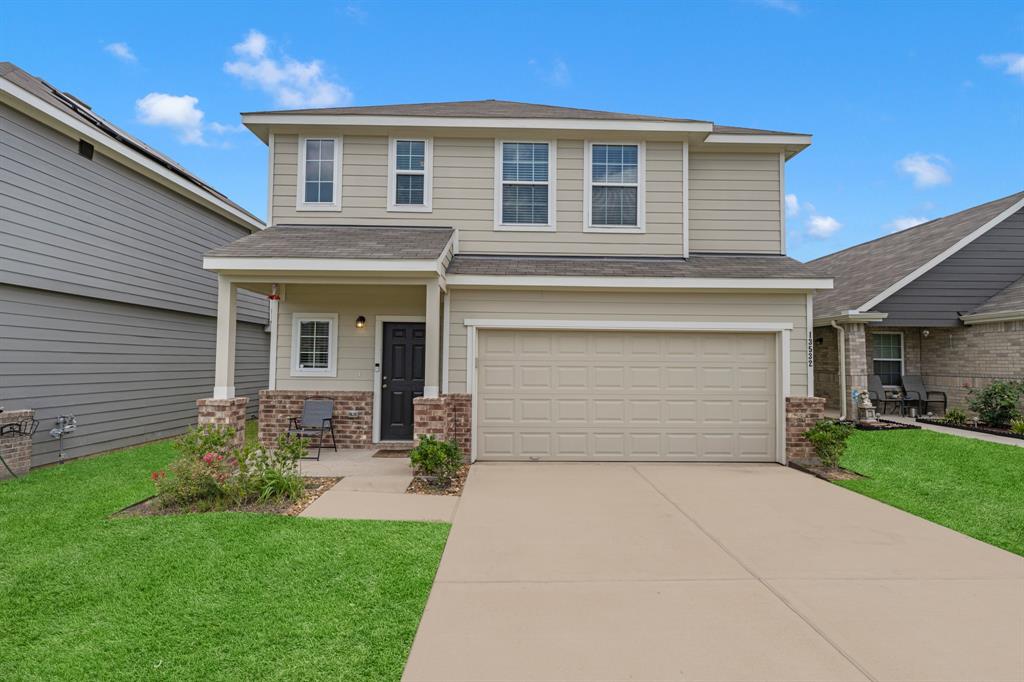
70, 104
698, 265
496, 108
340, 241
864, 271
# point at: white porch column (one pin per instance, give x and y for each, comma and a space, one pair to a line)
224, 373
432, 347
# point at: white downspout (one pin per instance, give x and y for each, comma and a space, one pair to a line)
841, 336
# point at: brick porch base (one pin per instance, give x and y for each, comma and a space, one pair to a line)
229, 412
445, 417
15, 449
801, 414
277, 407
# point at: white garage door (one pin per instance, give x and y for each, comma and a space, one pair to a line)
602, 395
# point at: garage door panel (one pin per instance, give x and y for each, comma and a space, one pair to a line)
626, 396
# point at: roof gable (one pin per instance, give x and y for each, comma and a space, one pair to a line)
869, 273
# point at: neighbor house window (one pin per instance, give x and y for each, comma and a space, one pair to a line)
615, 187
314, 345
525, 194
409, 175
319, 173
888, 358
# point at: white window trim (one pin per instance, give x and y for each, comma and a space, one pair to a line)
903, 355
641, 189
300, 189
332, 350
427, 173
552, 188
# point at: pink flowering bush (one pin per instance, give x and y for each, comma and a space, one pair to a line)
212, 473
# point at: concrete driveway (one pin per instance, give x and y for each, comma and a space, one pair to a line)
709, 572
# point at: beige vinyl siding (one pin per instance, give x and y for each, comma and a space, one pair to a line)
463, 197
690, 306
735, 203
355, 352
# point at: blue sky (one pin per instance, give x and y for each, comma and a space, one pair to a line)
917, 109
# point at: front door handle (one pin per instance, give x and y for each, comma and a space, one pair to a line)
383, 385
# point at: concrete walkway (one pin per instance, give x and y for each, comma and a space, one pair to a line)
709, 572
373, 488
959, 432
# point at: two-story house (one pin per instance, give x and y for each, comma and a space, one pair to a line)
105, 311
537, 282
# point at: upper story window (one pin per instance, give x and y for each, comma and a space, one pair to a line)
314, 345
319, 174
410, 170
615, 187
525, 187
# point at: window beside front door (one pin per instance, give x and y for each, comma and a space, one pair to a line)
314, 345
888, 358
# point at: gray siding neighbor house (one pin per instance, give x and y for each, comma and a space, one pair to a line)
105, 310
943, 300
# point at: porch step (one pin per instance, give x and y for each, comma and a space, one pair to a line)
395, 445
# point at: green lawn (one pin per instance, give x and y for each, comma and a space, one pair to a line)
968, 485
209, 596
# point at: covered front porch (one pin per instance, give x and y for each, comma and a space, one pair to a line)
365, 333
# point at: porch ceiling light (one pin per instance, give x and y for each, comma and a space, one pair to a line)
360, 322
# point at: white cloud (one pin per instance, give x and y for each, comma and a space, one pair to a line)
557, 74
356, 12
121, 51
291, 83
1012, 63
822, 226
791, 6
927, 170
792, 205
226, 128
178, 112
900, 224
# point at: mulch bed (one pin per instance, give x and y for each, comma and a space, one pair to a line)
392, 454
980, 428
424, 486
825, 473
315, 487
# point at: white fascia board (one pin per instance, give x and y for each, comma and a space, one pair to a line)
734, 138
850, 316
636, 282
942, 256
475, 122
123, 153
321, 265
629, 325
982, 318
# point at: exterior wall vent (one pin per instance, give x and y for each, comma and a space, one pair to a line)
85, 149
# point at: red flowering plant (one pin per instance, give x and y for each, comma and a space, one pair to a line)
200, 474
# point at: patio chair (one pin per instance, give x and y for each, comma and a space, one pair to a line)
317, 421
876, 391
917, 392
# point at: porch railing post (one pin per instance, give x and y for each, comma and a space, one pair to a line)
432, 347
224, 369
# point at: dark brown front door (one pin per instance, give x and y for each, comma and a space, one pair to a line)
401, 377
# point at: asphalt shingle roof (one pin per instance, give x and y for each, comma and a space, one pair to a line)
864, 271
1009, 300
341, 241
698, 265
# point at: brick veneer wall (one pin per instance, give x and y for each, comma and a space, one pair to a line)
801, 414
446, 417
224, 412
15, 449
826, 366
856, 363
957, 359
277, 407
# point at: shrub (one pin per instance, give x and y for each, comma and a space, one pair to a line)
829, 440
439, 458
955, 416
997, 403
264, 475
1017, 427
200, 440
193, 479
